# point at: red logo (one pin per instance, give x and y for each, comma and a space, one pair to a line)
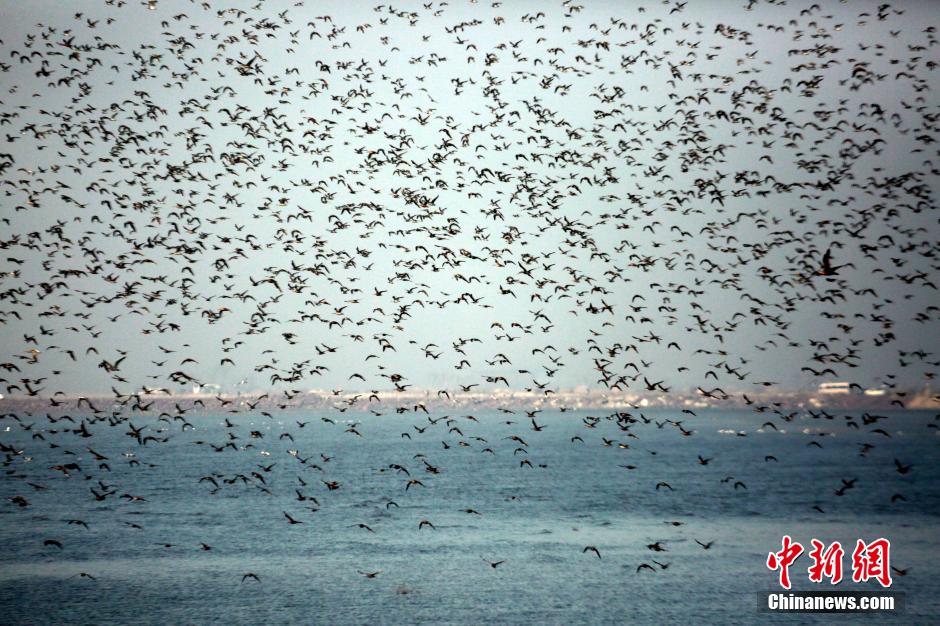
783, 559
826, 563
869, 560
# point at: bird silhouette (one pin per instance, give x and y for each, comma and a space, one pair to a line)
592, 549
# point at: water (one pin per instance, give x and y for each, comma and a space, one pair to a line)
536, 519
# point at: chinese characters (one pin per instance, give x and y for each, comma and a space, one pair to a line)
869, 561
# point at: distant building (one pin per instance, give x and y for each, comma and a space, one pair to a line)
834, 388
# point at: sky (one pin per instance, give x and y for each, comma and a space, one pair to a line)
567, 155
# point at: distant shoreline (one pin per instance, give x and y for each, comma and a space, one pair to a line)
163, 400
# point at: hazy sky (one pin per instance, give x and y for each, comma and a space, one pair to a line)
570, 155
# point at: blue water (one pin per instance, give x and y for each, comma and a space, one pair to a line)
537, 519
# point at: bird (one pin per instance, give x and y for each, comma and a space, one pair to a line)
592, 549
363, 526
827, 268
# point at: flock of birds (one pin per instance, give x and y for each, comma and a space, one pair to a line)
499, 196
